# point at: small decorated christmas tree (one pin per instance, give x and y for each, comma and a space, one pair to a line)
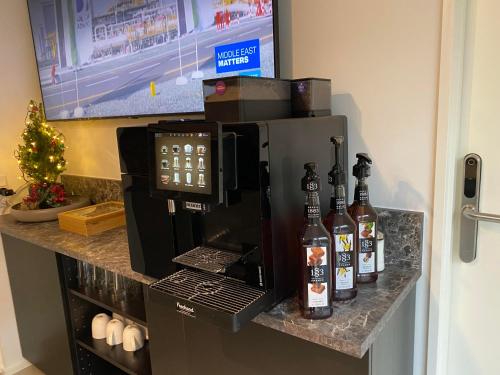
41, 160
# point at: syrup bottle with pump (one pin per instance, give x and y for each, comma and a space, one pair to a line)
366, 221
314, 253
343, 231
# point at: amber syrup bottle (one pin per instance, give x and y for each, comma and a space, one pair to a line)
366, 221
314, 253
343, 231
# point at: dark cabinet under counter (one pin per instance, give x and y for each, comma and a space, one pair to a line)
186, 346
183, 345
39, 305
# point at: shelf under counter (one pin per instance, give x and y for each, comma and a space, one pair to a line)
133, 310
133, 363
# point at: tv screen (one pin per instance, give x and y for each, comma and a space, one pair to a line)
126, 58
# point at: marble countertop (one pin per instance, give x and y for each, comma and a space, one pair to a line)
108, 250
352, 329
354, 326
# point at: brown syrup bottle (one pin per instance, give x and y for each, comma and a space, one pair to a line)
343, 231
366, 221
314, 254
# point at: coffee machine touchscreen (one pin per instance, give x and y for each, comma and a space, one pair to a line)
183, 162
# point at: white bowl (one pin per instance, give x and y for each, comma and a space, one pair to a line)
47, 214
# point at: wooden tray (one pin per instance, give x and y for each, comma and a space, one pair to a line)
92, 220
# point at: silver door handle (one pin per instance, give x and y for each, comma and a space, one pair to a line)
470, 200
471, 213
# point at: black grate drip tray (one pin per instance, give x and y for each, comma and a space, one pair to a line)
208, 259
223, 301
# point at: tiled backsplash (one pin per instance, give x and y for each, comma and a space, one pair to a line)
97, 189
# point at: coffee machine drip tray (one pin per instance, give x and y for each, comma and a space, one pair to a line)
208, 259
215, 298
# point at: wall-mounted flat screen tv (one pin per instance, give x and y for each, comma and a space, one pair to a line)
127, 58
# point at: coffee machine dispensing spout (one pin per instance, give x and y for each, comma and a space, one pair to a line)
171, 206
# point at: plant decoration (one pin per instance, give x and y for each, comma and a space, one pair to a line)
41, 161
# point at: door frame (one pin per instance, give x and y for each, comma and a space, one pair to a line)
449, 154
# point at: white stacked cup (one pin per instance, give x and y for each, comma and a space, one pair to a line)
133, 338
99, 324
114, 332
118, 330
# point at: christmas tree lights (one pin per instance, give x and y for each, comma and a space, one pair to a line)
41, 160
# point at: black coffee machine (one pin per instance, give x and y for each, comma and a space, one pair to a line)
213, 210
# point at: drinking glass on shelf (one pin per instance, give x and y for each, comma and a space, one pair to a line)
80, 274
99, 280
84, 274
93, 279
133, 289
128, 291
88, 271
118, 288
108, 282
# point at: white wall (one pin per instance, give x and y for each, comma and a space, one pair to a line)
19, 84
383, 58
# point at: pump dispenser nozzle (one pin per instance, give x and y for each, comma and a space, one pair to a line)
311, 181
337, 175
362, 168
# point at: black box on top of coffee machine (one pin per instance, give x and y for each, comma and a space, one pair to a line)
245, 98
311, 97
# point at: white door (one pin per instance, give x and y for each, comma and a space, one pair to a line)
474, 288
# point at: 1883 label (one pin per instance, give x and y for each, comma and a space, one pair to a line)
363, 195
340, 204
313, 212
344, 261
317, 277
367, 247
